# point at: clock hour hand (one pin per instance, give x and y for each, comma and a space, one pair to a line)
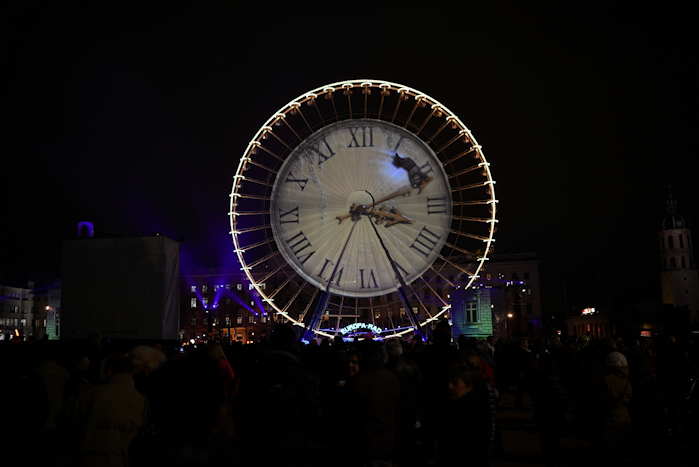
403, 286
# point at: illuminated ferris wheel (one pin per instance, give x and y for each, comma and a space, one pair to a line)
362, 204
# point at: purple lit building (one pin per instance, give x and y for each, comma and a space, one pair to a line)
221, 305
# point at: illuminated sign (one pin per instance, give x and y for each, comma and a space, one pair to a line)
359, 326
588, 311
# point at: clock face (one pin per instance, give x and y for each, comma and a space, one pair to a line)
382, 173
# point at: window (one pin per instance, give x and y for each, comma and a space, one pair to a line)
681, 241
204, 288
673, 263
670, 242
239, 286
683, 263
193, 302
239, 319
193, 288
194, 321
205, 301
228, 320
228, 286
263, 319
216, 287
472, 312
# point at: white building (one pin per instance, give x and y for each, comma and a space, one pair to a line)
679, 277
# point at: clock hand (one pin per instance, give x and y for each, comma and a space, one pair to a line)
405, 191
403, 285
325, 295
400, 192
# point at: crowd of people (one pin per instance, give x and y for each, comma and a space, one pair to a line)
363, 403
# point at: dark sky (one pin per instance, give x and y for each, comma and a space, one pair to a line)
134, 118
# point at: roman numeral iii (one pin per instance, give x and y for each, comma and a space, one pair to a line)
437, 205
425, 242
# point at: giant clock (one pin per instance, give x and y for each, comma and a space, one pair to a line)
362, 201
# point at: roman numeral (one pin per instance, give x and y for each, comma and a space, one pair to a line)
290, 216
318, 149
300, 243
437, 205
426, 168
363, 138
425, 242
370, 278
328, 266
300, 181
401, 269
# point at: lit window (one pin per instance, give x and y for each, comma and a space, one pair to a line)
228, 286
472, 312
239, 319
228, 320
193, 302
205, 301
204, 288
239, 286
263, 319
216, 287
194, 288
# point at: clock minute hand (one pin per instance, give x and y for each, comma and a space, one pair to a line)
395, 194
403, 286
325, 294
400, 192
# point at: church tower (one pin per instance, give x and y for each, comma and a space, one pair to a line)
679, 277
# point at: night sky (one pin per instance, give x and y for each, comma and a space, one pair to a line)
134, 119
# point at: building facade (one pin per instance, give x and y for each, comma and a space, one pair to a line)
679, 277
16, 312
222, 305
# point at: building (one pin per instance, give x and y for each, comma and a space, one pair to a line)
47, 311
514, 281
679, 278
16, 312
218, 304
120, 287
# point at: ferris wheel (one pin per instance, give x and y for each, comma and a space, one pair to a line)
362, 203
